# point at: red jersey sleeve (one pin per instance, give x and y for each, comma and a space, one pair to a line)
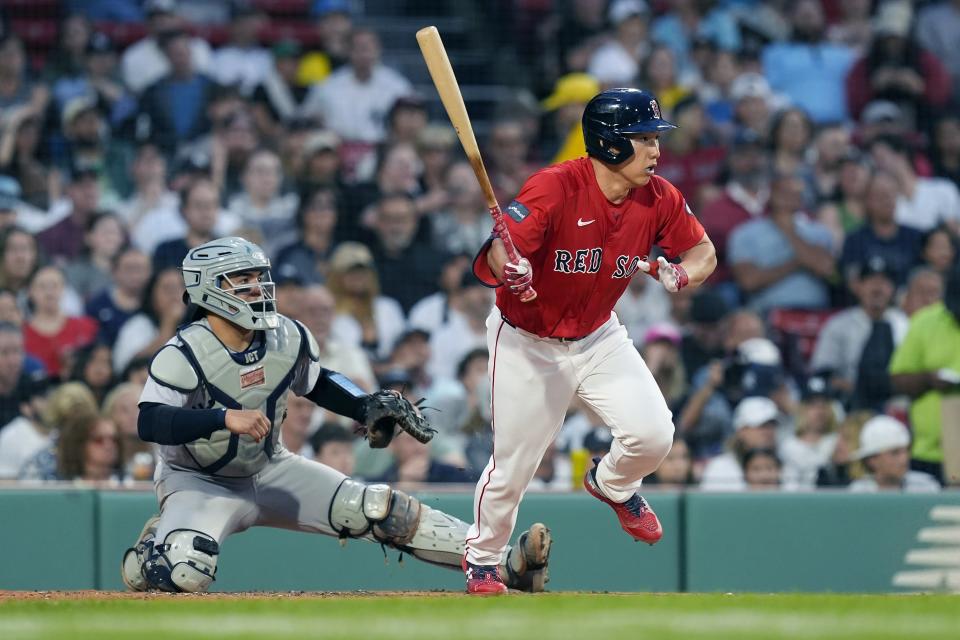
679, 229
527, 218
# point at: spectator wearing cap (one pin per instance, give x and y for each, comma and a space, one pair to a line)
881, 235
365, 318
860, 340
809, 70
885, 452
333, 24
642, 305
754, 103
355, 99
922, 203
86, 142
926, 366
64, 239
242, 61
321, 166
465, 331
145, 62
563, 139
938, 28
661, 353
617, 62
278, 92
693, 160
812, 444
755, 427
744, 197
26, 435
308, 257
689, 21
262, 205
783, 259
176, 103
332, 445
896, 68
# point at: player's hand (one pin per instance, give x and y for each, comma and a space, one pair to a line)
673, 277
248, 421
518, 275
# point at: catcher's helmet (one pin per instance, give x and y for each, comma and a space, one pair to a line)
615, 112
206, 275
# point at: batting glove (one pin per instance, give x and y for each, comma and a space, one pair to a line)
518, 275
673, 277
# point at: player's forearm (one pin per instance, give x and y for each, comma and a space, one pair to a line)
496, 258
163, 424
336, 392
699, 261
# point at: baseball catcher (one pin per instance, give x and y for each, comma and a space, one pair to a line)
214, 403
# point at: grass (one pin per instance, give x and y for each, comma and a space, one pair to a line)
457, 617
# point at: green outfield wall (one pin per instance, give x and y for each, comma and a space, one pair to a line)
74, 539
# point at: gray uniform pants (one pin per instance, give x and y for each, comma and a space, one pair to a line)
291, 492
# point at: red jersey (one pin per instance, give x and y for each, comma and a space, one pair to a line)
583, 248
77, 332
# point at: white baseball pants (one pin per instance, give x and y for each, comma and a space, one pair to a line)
532, 381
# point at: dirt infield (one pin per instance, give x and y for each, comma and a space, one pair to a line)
92, 594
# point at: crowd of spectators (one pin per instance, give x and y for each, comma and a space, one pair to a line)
819, 144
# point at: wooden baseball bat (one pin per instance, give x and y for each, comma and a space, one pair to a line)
445, 81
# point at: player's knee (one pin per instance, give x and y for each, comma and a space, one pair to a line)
186, 561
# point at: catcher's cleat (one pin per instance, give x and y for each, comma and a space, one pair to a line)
133, 557
483, 580
636, 516
526, 566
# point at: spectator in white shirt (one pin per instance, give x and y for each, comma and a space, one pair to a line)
467, 330
755, 425
242, 61
617, 62
355, 99
28, 434
922, 203
144, 62
885, 452
815, 439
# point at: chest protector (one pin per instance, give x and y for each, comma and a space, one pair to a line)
255, 379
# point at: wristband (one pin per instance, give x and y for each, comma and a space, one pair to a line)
682, 278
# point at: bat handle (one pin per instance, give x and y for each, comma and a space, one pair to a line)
527, 293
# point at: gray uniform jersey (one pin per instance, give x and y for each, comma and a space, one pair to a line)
195, 370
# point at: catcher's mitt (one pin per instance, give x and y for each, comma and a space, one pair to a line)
384, 410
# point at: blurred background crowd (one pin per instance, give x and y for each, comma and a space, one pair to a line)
819, 144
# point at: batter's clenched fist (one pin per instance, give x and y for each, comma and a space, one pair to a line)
518, 275
672, 276
246, 421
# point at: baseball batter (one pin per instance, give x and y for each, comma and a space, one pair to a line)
584, 227
215, 402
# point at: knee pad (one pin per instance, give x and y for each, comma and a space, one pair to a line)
186, 561
392, 516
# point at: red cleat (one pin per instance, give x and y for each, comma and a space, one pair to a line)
483, 580
636, 516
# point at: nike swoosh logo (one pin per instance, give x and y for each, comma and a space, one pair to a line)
582, 223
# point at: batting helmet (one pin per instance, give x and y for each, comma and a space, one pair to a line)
612, 114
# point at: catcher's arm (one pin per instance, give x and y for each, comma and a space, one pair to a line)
379, 413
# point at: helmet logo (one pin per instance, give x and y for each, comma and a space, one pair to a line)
656, 109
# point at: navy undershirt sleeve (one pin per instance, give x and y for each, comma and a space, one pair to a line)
336, 392
163, 424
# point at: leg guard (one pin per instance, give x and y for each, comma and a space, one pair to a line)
131, 567
186, 561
